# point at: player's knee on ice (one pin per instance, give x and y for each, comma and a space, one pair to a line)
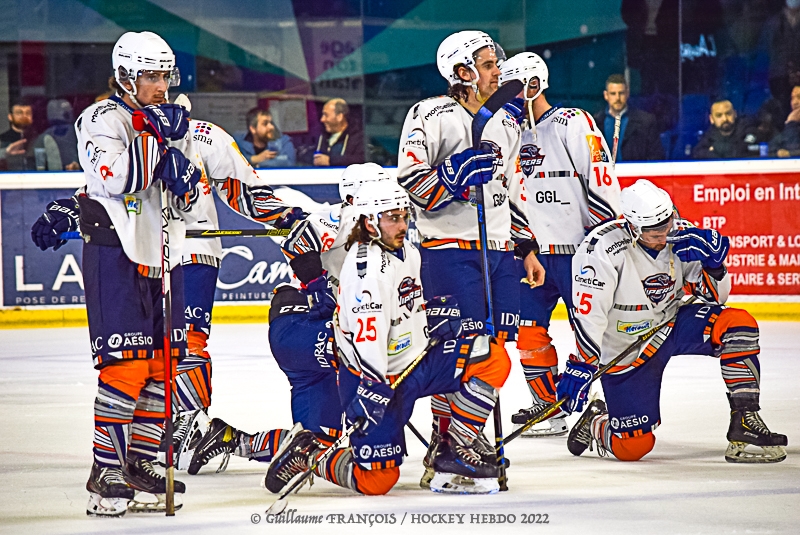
632, 448
375, 482
491, 365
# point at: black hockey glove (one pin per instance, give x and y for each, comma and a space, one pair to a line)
61, 215
444, 318
170, 120
177, 172
369, 405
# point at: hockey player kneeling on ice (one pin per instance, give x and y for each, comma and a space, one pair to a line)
628, 277
380, 328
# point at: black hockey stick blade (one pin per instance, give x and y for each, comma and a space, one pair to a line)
502, 96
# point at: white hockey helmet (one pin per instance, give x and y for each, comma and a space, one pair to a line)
645, 205
374, 198
357, 174
137, 52
525, 67
459, 49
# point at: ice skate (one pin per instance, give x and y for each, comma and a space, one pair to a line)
486, 449
555, 426
460, 470
189, 430
427, 461
291, 460
220, 439
109, 494
150, 487
748, 429
580, 437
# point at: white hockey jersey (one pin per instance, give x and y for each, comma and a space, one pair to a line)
439, 127
118, 164
620, 291
223, 168
381, 325
569, 177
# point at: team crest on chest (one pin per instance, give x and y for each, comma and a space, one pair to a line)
658, 286
529, 157
408, 291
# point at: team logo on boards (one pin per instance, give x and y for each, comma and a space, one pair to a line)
529, 157
408, 291
658, 286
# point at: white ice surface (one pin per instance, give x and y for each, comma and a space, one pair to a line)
47, 388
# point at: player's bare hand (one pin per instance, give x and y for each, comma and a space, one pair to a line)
16, 148
534, 269
322, 160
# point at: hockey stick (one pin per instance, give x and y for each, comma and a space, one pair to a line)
418, 434
500, 97
281, 503
547, 411
617, 122
244, 233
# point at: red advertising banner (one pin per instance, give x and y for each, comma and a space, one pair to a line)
760, 213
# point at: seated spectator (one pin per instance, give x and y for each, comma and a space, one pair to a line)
787, 143
638, 133
264, 145
59, 140
13, 142
341, 144
728, 136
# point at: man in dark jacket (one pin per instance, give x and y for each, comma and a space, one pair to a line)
638, 134
787, 143
341, 144
727, 138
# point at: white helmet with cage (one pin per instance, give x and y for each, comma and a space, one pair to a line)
357, 174
645, 205
138, 52
459, 49
374, 198
525, 67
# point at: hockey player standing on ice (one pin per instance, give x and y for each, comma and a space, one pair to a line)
440, 170
570, 186
120, 218
301, 331
629, 276
222, 167
381, 329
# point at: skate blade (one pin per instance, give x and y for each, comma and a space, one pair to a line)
736, 453
545, 429
425, 481
152, 503
456, 484
106, 507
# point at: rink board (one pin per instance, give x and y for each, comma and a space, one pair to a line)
756, 203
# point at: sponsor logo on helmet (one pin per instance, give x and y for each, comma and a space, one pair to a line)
629, 327
408, 291
399, 344
657, 287
596, 149
529, 157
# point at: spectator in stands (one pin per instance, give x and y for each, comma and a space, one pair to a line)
342, 143
13, 142
264, 145
727, 138
787, 143
59, 140
782, 36
638, 134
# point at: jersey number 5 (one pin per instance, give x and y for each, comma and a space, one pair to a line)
366, 330
605, 179
585, 305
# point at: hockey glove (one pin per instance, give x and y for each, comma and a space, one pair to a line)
516, 109
465, 169
323, 303
369, 405
444, 318
60, 216
177, 172
289, 217
574, 384
171, 121
707, 246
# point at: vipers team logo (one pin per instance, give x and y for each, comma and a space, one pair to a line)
408, 291
658, 286
529, 157
498, 154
